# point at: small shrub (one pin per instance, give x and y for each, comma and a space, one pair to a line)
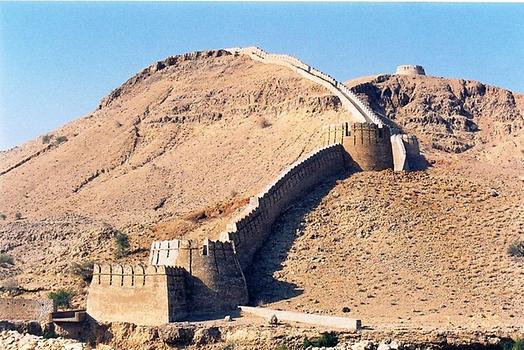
3, 216
281, 347
516, 248
46, 138
11, 286
122, 245
61, 139
6, 259
61, 297
18, 216
510, 344
326, 339
83, 269
263, 123
49, 332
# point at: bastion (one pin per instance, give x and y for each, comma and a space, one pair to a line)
409, 69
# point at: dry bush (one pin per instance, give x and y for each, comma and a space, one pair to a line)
263, 123
516, 248
83, 269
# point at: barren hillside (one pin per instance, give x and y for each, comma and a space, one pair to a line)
179, 147
191, 136
423, 249
451, 115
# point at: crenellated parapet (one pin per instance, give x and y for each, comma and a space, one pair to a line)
250, 229
358, 111
148, 295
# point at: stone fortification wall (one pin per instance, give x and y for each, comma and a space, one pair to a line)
149, 295
409, 69
414, 158
400, 161
19, 309
251, 228
360, 113
368, 145
215, 280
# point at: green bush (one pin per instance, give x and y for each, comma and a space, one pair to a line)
281, 347
517, 344
516, 248
61, 139
6, 259
83, 269
18, 216
46, 138
122, 245
61, 297
3, 216
326, 339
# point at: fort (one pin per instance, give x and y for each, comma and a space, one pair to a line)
409, 69
184, 277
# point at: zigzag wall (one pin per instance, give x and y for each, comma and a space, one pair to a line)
249, 231
359, 111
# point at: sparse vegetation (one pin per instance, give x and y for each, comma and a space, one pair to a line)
517, 344
6, 259
516, 248
326, 339
61, 297
281, 347
83, 269
18, 216
61, 139
47, 138
11, 286
263, 123
122, 245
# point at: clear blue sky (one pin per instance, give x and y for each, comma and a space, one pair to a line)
58, 59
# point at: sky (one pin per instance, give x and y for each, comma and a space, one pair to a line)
57, 60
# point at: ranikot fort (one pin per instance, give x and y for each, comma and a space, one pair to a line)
197, 278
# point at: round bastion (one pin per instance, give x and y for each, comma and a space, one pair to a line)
409, 69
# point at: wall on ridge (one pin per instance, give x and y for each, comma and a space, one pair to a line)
19, 309
134, 293
215, 280
250, 230
360, 112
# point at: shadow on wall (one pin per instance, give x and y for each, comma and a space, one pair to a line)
262, 285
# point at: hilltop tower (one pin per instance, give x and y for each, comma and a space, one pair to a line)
409, 69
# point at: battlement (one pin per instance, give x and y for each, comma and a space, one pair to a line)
250, 229
409, 69
132, 275
148, 295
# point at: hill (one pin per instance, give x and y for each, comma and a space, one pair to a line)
179, 147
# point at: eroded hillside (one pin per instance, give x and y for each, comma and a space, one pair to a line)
451, 115
185, 140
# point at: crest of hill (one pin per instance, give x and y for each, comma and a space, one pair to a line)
451, 115
187, 138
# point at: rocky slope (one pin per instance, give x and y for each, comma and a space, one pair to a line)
451, 115
423, 249
179, 147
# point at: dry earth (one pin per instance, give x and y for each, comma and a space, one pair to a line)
180, 146
401, 250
